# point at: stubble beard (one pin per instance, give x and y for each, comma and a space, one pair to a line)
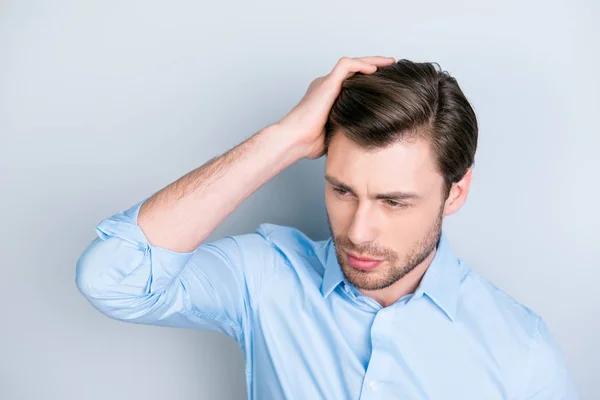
377, 278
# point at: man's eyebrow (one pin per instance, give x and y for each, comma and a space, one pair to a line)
378, 196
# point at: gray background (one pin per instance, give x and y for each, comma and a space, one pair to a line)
104, 103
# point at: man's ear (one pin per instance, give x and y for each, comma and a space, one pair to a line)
458, 194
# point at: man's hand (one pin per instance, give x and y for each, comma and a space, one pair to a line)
306, 122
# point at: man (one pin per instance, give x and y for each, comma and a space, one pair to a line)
383, 309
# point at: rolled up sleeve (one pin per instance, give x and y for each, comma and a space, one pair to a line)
126, 278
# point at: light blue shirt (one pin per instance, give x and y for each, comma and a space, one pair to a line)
307, 333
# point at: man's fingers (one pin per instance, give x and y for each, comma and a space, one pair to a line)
347, 66
378, 60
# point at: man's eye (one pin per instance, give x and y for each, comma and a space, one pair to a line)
391, 203
395, 204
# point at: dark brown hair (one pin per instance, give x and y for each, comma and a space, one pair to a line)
405, 101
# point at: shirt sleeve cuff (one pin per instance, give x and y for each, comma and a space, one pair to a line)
165, 264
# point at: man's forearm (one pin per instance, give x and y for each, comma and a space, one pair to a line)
182, 215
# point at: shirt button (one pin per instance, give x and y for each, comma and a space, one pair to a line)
373, 385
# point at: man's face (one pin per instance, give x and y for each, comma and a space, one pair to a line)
402, 232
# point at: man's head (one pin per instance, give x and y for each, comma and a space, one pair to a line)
406, 128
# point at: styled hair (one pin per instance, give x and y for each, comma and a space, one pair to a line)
405, 101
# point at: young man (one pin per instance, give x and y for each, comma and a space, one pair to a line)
383, 309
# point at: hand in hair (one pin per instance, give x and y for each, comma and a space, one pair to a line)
306, 121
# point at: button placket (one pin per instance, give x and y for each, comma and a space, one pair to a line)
378, 333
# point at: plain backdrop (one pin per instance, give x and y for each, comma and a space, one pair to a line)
103, 103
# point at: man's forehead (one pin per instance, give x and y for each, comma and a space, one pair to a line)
401, 159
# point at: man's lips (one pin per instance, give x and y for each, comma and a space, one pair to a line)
363, 264
362, 258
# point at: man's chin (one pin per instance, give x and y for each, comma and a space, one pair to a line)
364, 280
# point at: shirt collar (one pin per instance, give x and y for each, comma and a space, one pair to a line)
441, 281
333, 274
